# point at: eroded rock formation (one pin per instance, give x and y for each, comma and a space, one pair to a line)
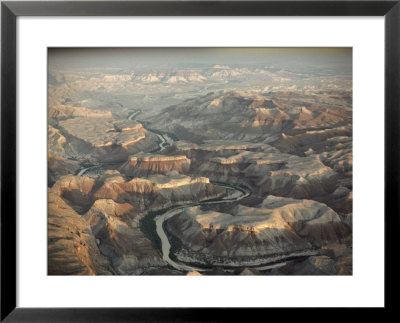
72, 248
276, 227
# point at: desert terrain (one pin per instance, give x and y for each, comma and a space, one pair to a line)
201, 165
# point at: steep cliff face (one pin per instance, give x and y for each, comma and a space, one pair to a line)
142, 165
72, 248
119, 238
278, 226
110, 208
121, 190
298, 177
105, 140
55, 141
339, 154
188, 191
59, 166
95, 136
66, 111
76, 191
276, 138
246, 115
262, 167
157, 191
316, 140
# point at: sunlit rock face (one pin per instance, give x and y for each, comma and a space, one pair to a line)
58, 162
272, 142
299, 177
95, 136
154, 192
55, 141
72, 247
247, 115
178, 189
66, 111
306, 141
157, 191
59, 166
147, 164
278, 226
101, 132
105, 140
76, 190
119, 238
262, 167
109, 210
339, 154
283, 143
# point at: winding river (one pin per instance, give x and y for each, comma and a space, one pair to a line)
162, 141
166, 246
134, 114
235, 195
84, 170
162, 145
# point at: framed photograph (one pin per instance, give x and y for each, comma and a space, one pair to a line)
164, 158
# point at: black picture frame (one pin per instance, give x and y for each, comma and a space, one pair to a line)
10, 10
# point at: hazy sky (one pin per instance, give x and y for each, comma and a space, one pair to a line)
61, 58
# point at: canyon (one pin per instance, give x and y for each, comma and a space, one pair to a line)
211, 171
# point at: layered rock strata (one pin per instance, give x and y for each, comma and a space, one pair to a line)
278, 226
146, 164
72, 248
109, 209
119, 237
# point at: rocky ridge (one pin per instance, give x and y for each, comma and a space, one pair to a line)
277, 227
110, 208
